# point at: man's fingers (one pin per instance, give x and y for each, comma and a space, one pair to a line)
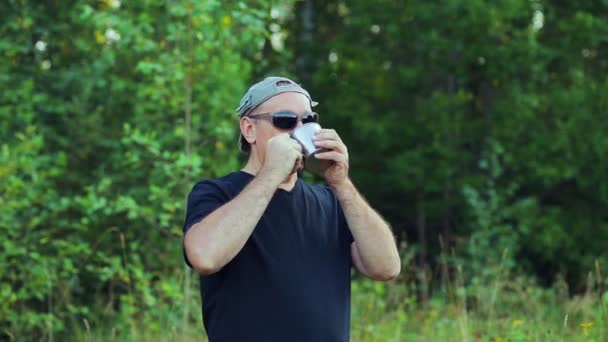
331, 145
327, 134
332, 155
282, 136
298, 149
297, 146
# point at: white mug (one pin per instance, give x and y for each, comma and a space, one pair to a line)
304, 135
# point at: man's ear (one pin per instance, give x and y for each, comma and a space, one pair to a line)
248, 129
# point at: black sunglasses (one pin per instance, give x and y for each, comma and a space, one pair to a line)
284, 119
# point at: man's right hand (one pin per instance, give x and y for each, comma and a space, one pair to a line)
282, 155
215, 240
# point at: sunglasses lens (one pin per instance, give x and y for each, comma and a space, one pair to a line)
284, 120
310, 117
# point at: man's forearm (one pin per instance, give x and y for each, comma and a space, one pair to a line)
213, 242
373, 238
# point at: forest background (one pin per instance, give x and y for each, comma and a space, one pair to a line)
477, 129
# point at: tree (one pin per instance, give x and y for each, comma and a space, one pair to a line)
111, 112
426, 95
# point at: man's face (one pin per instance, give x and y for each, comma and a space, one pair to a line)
264, 129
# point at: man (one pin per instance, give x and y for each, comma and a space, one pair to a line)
275, 253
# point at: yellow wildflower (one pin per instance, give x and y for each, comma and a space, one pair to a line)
226, 21
586, 326
99, 37
517, 323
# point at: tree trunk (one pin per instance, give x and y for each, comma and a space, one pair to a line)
305, 59
422, 243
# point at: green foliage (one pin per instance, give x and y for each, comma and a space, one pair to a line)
521, 311
478, 124
33, 262
423, 93
110, 112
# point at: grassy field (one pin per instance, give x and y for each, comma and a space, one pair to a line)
509, 312
513, 310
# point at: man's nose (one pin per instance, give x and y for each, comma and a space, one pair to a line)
299, 124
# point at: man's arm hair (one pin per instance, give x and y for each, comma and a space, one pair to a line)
214, 241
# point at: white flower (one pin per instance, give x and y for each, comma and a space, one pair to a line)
274, 27
538, 20
46, 64
40, 46
333, 57
112, 36
277, 42
375, 29
274, 13
114, 3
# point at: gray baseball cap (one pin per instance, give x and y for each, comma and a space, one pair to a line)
264, 90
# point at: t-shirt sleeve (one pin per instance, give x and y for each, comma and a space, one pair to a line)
204, 198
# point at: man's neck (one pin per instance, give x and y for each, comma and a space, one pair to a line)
253, 167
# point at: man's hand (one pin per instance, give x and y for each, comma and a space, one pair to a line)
335, 160
374, 251
283, 155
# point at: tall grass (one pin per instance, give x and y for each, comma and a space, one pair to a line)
511, 308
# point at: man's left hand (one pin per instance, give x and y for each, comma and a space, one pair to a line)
335, 160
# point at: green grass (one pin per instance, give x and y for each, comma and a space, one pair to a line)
524, 314
513, 310
491, 305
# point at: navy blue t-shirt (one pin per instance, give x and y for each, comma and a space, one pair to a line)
291, 280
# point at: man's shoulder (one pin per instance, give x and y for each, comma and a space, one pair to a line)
319, 190
316, 187
229, 181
